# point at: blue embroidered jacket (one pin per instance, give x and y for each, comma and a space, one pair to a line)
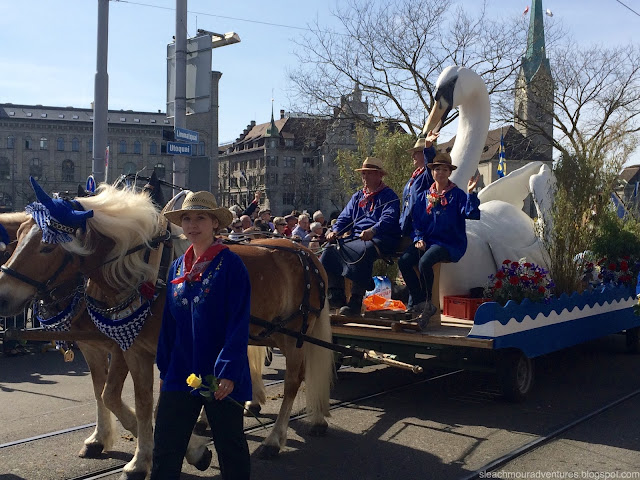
383, 218
445, 226
412, 190
205, 326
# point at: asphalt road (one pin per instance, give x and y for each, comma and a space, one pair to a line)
442, 429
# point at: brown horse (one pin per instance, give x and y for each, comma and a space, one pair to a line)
123, 220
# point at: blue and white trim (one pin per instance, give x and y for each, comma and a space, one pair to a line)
537, 329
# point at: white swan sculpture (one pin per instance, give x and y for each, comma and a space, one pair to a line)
504, 231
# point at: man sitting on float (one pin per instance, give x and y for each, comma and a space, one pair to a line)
372, 218
439, 233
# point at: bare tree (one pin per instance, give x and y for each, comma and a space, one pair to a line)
397, 50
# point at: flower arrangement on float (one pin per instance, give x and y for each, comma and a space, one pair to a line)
517, 280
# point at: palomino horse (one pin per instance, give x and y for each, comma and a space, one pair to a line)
104, 254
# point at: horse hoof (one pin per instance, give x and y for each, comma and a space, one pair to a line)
133, 476
251, 410
267, 452
204, 461
92, 450
200, 428
318, 430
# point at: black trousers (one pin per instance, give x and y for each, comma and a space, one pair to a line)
177, 415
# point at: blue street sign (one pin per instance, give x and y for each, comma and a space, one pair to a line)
184, 135
91, 184
177, 148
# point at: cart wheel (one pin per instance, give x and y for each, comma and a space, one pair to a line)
633, 340
515, 374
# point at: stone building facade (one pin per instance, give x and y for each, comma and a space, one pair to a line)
55, 146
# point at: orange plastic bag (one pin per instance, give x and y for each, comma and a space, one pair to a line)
377, 302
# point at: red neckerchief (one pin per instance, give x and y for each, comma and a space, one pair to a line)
433, 197
193, 271
369, 196
415, 173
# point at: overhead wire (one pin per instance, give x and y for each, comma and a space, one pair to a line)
628, 7
206, 14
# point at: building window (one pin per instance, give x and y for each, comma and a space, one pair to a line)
201, 149
27, 144
273, 143
68, 169
5, 169
35, 168
287, 179
272, 161
153, 148
60, 144
75, 145
161, 170
6, 202
137, 147
122, 146
288, 198
90, 145
308, 162
44, 143
288, 142
11, 142
129, 168
289, 162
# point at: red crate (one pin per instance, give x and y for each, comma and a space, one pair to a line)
462, 306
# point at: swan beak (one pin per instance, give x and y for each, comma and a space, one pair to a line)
437, 116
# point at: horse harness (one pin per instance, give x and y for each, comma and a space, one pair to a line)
278, 324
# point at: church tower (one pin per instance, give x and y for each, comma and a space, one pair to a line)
533, 112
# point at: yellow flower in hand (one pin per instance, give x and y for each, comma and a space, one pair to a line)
194, 381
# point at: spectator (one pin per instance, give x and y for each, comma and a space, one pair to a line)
236, 229
319, 217
372, 217
251, 209
246, 222
315, 237
265, 216
302, 229
292, 221
279, 226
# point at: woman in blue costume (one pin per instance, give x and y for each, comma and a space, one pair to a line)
439, 234
205, 330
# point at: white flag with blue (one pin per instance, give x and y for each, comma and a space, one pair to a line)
502, 165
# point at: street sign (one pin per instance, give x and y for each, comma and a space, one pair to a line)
91, 184
177, 148
184, 135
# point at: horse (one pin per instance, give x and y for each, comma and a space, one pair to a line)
122, 222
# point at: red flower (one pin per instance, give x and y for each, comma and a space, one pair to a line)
626, 257
527, 265
541, 289
506, 262
515, 265
624, 266
524, 278
500, 274
612, 266
147, 290
498, 284
537, 279
513, 280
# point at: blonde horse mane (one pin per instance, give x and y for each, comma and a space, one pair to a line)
128, 219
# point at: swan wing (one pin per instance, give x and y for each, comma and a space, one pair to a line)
513, 188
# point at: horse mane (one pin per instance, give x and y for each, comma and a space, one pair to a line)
128, 219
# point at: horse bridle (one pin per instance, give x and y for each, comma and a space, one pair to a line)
41, 287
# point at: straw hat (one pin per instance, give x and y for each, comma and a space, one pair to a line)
442, 158
372, 164
200, 202
419, 146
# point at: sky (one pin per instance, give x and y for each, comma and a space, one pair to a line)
48, 48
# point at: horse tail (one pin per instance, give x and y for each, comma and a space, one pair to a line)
319, 368
256, 356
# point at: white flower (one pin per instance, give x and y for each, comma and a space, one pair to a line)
196, 299
184, 301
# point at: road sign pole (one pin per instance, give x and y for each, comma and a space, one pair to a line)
180, 100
